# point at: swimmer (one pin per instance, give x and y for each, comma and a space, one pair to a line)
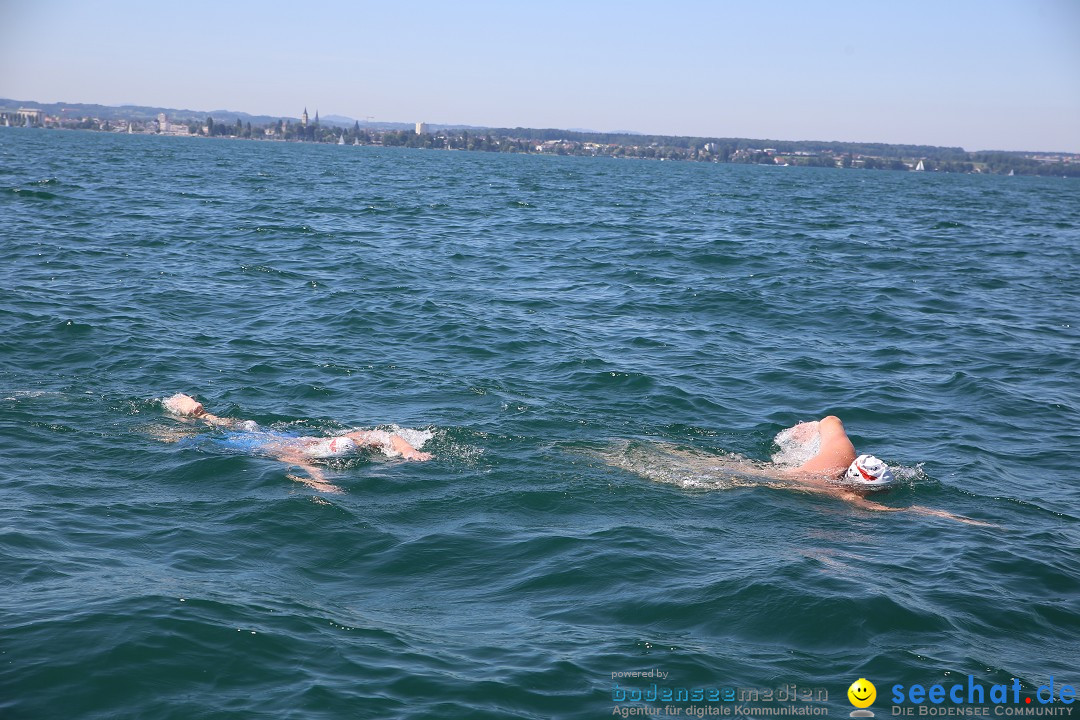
816, 457
836, 470
296, 451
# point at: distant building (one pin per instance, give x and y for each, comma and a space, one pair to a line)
303, 118
421, 128
29, 116
553, 146
167, 128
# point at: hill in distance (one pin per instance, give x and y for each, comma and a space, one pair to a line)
143, 113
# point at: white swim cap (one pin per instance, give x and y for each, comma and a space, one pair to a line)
869, 472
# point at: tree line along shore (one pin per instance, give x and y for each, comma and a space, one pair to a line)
869, 156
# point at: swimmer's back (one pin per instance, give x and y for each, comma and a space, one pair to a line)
250, 441
316, 448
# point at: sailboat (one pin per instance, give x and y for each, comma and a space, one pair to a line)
341, 139
919, 167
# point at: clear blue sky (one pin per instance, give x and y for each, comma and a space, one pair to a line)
987, 74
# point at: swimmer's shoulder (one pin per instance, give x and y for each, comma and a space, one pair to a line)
836, 451
830, 425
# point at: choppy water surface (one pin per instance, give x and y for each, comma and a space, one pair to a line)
589, 341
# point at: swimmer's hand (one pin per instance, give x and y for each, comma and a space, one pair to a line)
315, 484
416, 455
945, 514
407, 451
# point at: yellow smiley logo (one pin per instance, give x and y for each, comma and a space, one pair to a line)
862, 693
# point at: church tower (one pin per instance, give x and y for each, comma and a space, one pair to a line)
303, 118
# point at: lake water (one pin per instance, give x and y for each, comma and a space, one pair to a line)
588, 341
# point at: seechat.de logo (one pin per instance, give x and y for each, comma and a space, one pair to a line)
862, 694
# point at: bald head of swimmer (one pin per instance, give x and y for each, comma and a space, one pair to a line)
181, 404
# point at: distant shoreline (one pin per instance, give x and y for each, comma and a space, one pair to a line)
847, 155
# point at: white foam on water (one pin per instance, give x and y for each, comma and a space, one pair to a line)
416, 438
170, 404
17, 395
797, 444
908, 475
685, 468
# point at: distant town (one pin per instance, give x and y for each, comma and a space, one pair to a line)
346, 131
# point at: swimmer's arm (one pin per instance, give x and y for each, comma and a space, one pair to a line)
865, 504
944, 514
836, 451
390, 441
315, 478
862, 503
216, 421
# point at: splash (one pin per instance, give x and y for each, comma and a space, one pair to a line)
797, 444
909, 476
416, 438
